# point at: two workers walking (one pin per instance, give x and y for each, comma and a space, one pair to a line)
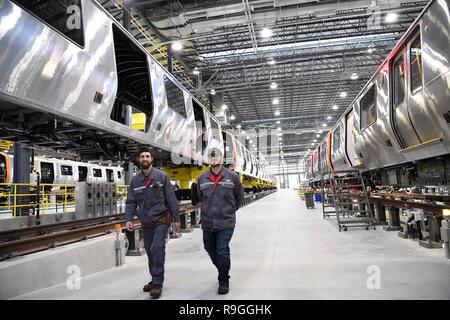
151, 197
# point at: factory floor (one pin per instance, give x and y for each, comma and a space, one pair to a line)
281, 250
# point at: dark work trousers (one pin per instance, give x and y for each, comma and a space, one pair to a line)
217, 245
155, 246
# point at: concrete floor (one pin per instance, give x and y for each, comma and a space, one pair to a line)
281, 250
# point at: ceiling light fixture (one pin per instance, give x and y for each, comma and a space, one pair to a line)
343, 94
335, 107
266, 33
196, 71
277, 113
232, 117
354, 76
391, 17
273, 85
275, 101
177, 46
212, 91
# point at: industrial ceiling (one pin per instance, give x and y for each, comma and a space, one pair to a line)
288, 65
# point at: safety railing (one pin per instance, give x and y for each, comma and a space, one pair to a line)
45, 197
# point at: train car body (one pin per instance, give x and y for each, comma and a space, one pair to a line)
61, 171
81, 87
399, 121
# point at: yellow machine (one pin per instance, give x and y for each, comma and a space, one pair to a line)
6, 145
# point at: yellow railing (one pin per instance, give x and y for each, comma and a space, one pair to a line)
51, 196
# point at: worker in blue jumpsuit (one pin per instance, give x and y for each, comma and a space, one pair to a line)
221, 194
151, 197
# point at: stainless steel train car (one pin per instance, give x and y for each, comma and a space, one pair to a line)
397, 128
71, 77
59, 171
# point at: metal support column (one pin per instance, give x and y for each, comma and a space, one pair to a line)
22, 169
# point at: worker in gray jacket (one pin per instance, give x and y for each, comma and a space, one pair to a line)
221, 194
152, 198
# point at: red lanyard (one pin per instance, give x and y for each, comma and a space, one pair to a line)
215, 180
148, 182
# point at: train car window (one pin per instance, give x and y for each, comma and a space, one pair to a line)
47, 173
368, 107
399, 89
175, 97
66, 170
336, 139
415, 59
97, 173
63, 15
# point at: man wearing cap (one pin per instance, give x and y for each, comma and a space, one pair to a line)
221, 194
152, 198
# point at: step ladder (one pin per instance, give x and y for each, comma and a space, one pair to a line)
345, 197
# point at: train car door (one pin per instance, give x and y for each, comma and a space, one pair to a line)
82, 173
349, 146
401, 118
419, 107
4, 168
109, 175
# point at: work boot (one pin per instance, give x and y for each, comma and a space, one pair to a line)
223, 288
155, 292
148, 287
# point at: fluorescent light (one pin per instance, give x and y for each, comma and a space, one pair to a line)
280, 134
251, 141
224, 107
266, 33
324, 125
329, 118
279, 129
343, 94
277, 113
243, 131
315, 140
238, 126
276, 101
370, 50
312, 143
320, 131
354, 76
212, 91
196, 71
271, 62
177, 46
335, 107
247, 137
278, 122
273, 85
232, 117
317, 135
391, 17
280, 139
